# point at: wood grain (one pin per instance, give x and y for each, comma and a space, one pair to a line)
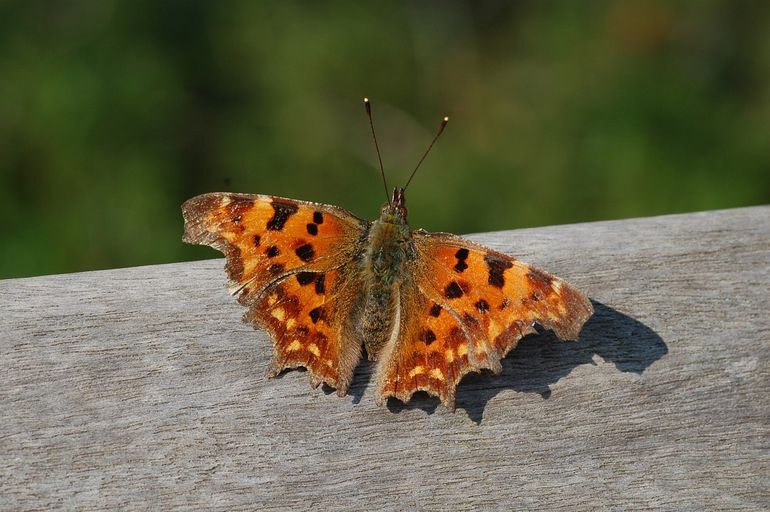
140, 388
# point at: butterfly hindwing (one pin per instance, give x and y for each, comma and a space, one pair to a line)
309, 317
469, 307
430, 352
286, 262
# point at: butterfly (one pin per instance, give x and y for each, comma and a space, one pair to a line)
427, 307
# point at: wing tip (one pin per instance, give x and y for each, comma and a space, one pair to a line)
194, 213
579, 311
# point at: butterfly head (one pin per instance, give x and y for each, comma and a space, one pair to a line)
394, 211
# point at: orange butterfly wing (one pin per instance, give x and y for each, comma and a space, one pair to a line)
288, 262
465, 308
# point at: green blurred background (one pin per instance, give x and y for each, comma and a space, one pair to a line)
114, 112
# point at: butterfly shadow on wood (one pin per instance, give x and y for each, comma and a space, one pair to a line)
541, 360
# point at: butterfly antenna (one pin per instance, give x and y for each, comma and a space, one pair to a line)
368, 107
438, 133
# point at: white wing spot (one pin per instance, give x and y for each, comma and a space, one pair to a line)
494, 330
437, 374
417, 370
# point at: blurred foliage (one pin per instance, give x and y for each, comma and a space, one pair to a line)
114, 112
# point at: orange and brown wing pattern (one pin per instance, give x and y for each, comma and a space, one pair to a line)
289, 263
431, 352
474, 303
494, 290
310, 316
266, 237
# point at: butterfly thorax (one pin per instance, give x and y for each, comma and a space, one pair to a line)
386, 251
389, 243
389, 248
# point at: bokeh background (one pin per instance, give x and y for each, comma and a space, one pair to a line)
114, 112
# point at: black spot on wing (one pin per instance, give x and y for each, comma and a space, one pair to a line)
305, 252
482, 306
312, 229
304, 278
461, 255
275, 268
320, 288
435, 310
427, 336
272, 251
318, 217
281, 213
317, 314
453, 291
257, 239
497, 267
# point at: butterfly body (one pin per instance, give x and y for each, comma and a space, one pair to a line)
428, 307
388, 251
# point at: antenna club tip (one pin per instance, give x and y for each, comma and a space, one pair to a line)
446, 119
366, 100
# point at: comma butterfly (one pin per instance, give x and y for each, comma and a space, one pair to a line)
428, 307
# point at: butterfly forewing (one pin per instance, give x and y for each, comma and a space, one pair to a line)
265, 237
496, 289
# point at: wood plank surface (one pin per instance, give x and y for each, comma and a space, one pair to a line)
140, 389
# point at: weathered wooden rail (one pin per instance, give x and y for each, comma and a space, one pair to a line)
140, 388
